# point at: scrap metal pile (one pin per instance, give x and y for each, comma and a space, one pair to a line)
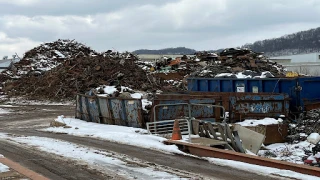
237, 63
307, 124
63, 68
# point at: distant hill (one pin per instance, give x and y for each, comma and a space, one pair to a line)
177, 50
296, 43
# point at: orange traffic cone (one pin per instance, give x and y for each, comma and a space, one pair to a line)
176, 133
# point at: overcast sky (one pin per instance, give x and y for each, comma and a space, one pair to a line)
152, 24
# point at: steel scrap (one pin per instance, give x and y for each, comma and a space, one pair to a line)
229, 62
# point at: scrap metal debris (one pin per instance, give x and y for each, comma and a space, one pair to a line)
237, 63
61, 69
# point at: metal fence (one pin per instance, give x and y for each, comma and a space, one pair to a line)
106, 110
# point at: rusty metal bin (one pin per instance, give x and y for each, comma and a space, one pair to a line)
275, 133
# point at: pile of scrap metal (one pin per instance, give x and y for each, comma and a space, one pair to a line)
184, 64
63, 68
235, 61
167, 64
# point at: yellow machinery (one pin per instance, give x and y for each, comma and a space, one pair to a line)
292, 74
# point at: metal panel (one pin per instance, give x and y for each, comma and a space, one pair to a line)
85, 109
94, 109
78, 107
182, 111
275, 133
309, 92
105, 111
166, 127
258, 105
118, 112
134, 113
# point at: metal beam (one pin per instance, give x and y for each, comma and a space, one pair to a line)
204, 151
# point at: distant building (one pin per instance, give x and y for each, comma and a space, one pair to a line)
301, 63
5, 62
299, 58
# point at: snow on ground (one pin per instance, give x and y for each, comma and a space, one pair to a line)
3, 111
265, 121
288, 152
3, 168
261, 169
103, 161
120, 134
22, 101
138, 137
7, 105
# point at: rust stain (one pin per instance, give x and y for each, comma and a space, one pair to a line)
22, 170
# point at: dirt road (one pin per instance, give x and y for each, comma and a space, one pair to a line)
24, 120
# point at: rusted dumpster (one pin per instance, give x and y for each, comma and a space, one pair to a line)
117, 111
239, 105
258, 106
198, 112
275, 133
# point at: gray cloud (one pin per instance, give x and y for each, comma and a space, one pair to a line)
130, 25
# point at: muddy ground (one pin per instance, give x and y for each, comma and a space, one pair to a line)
24, 120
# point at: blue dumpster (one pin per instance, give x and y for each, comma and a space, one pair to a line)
303, 91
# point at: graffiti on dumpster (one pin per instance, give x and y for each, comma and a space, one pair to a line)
255, 107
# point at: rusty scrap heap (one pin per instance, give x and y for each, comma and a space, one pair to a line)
237, 63
63, 68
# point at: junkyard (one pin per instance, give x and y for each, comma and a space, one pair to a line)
70, 112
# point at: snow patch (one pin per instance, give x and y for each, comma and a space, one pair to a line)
120, 134
313, 138
97, 159
4, 168
265, 121
3, 111
260, 169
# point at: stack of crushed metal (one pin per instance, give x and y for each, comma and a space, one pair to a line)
305, 125
61, 69
237, 63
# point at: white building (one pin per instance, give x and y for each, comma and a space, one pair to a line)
299, 58
5, 62
301, 63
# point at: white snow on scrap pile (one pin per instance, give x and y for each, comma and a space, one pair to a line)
110, 91
265, 121
294, 152
242, 75
48, 56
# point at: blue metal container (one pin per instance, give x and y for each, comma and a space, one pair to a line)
303, 91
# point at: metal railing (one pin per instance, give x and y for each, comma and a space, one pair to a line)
165, 127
